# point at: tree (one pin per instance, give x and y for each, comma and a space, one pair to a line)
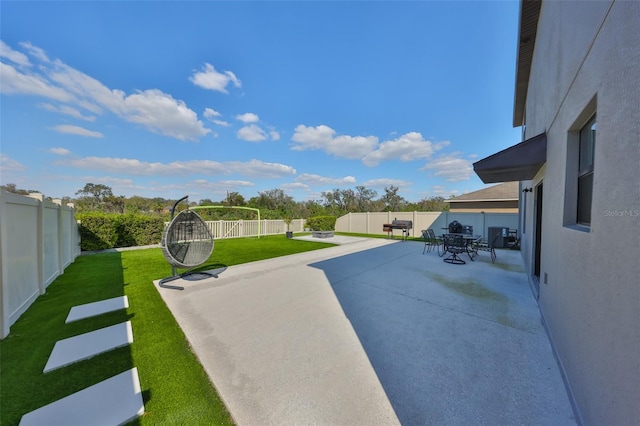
97, 191
340, 201
234, 199
433, 204
137, 204
113, 204
364, 198
11, 187
275, 203
392, 200
310, 208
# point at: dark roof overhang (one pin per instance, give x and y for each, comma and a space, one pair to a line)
519, 162
529, 14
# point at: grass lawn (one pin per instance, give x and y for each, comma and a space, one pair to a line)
176, 390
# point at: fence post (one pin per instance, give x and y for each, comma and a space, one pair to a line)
484, 226
415, 222
40, 240
368, 223
4, 321
60, 236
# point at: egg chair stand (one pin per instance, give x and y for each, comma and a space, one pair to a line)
186, 244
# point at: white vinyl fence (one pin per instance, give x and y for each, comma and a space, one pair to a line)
249, 228
38, 240
371, 223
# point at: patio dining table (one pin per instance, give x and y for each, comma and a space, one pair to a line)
469, 240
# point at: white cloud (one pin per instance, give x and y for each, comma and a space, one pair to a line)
111, 181
15, 82
317, 180
211, 79
323, 138
10, 165
386, 182
157, 111
128, 166
34, 51
222, 123
275, 135
215, 186
209, 113
294, 186
67, 110
160, 113
60, 151
251, 133
248, 117
143, 168
17, 58
441, 191
408, 147
201, 188
261, 169
451, 167
77, 130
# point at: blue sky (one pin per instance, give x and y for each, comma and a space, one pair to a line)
165, 99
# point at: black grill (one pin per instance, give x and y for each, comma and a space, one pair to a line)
402, 224
455, 227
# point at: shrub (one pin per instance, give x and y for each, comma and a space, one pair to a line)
100, 231
322, 223
139, 230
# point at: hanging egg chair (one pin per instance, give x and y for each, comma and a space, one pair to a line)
186, 243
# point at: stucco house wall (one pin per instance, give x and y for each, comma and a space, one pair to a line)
587, 59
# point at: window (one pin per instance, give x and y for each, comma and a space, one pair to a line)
585, 171
579, 169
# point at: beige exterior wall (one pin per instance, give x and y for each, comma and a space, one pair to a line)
587, 55
485, 206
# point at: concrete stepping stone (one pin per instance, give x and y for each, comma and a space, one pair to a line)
97, 308
83, 346
111, 402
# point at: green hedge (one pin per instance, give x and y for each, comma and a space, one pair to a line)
322, 223
100, 231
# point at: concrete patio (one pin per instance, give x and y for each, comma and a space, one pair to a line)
374, 332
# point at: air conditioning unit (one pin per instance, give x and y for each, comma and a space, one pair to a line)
503, 236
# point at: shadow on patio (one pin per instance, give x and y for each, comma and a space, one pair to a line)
451, 344
372, 332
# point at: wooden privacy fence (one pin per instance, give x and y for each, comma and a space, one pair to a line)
371, 223
38, 240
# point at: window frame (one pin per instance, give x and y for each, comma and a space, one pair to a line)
586, 151
587, 117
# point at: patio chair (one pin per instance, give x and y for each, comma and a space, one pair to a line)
513, 241
489, 246
186, 243
430, 240
455, 245
440, 243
